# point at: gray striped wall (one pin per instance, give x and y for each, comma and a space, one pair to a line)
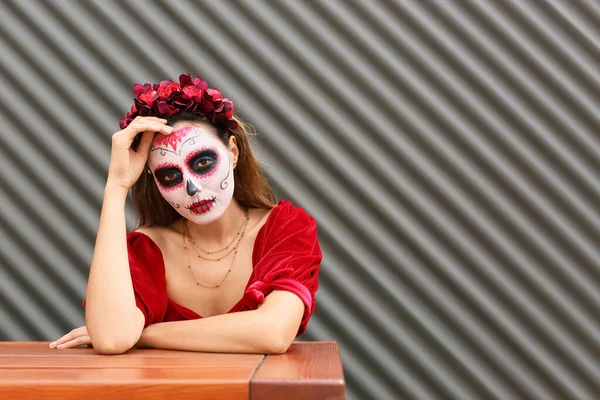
450, 151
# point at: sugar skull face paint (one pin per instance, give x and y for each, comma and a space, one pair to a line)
193, 172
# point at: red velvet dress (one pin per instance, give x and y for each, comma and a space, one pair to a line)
286, 256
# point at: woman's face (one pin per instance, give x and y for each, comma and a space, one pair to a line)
193, 170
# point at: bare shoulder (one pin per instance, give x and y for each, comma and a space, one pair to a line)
156, 233
258, 217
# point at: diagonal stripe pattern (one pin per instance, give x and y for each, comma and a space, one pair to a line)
450, 151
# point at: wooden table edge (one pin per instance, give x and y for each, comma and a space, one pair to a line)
266, 384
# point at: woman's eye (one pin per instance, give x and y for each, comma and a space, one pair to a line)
168, 177
203, 162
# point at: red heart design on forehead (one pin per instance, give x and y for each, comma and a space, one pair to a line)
174, 139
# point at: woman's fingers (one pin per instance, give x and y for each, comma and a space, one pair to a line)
79, 341
158, 119
127, 164
161, 120
74, 334
140, 124
144, 145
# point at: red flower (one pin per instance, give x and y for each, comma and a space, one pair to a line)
142, 107
166, 88
191, 95
200, 84
182, 102
164, 108
214, 93
224, 107
149, 97
228, 108
192, 91
185, 80
139, 89
126, 120
205, 105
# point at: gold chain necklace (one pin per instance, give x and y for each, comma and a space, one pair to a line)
232, 260
196, 248
216, 251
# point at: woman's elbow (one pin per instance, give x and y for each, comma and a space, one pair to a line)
277, 343
274, 350
113, 345
110, 351
112, 348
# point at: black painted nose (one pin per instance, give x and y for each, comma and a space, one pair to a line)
191, 188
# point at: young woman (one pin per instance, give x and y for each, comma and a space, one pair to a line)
215, 264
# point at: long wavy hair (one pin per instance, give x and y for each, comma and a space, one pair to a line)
252, 189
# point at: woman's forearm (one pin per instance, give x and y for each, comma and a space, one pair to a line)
240, 332
110, 312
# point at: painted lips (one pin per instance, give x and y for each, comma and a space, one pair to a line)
202, 206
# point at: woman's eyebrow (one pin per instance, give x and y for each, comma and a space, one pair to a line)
166, 165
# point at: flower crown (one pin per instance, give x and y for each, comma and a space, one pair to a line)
190, 95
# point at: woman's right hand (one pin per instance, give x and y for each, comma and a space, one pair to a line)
76, 338
126, 165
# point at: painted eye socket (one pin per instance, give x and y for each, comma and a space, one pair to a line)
204, 162
168, 177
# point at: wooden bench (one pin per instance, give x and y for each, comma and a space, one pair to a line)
309, 370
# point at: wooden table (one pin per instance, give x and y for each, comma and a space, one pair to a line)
309, 370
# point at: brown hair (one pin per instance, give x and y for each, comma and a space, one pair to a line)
251, 187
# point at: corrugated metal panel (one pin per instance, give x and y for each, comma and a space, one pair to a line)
450, 151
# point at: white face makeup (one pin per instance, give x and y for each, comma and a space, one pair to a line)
193, 171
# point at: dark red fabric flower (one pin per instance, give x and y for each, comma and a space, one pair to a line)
191, 94
166, 88
139, 89
149, 97
214, 94
165, 108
